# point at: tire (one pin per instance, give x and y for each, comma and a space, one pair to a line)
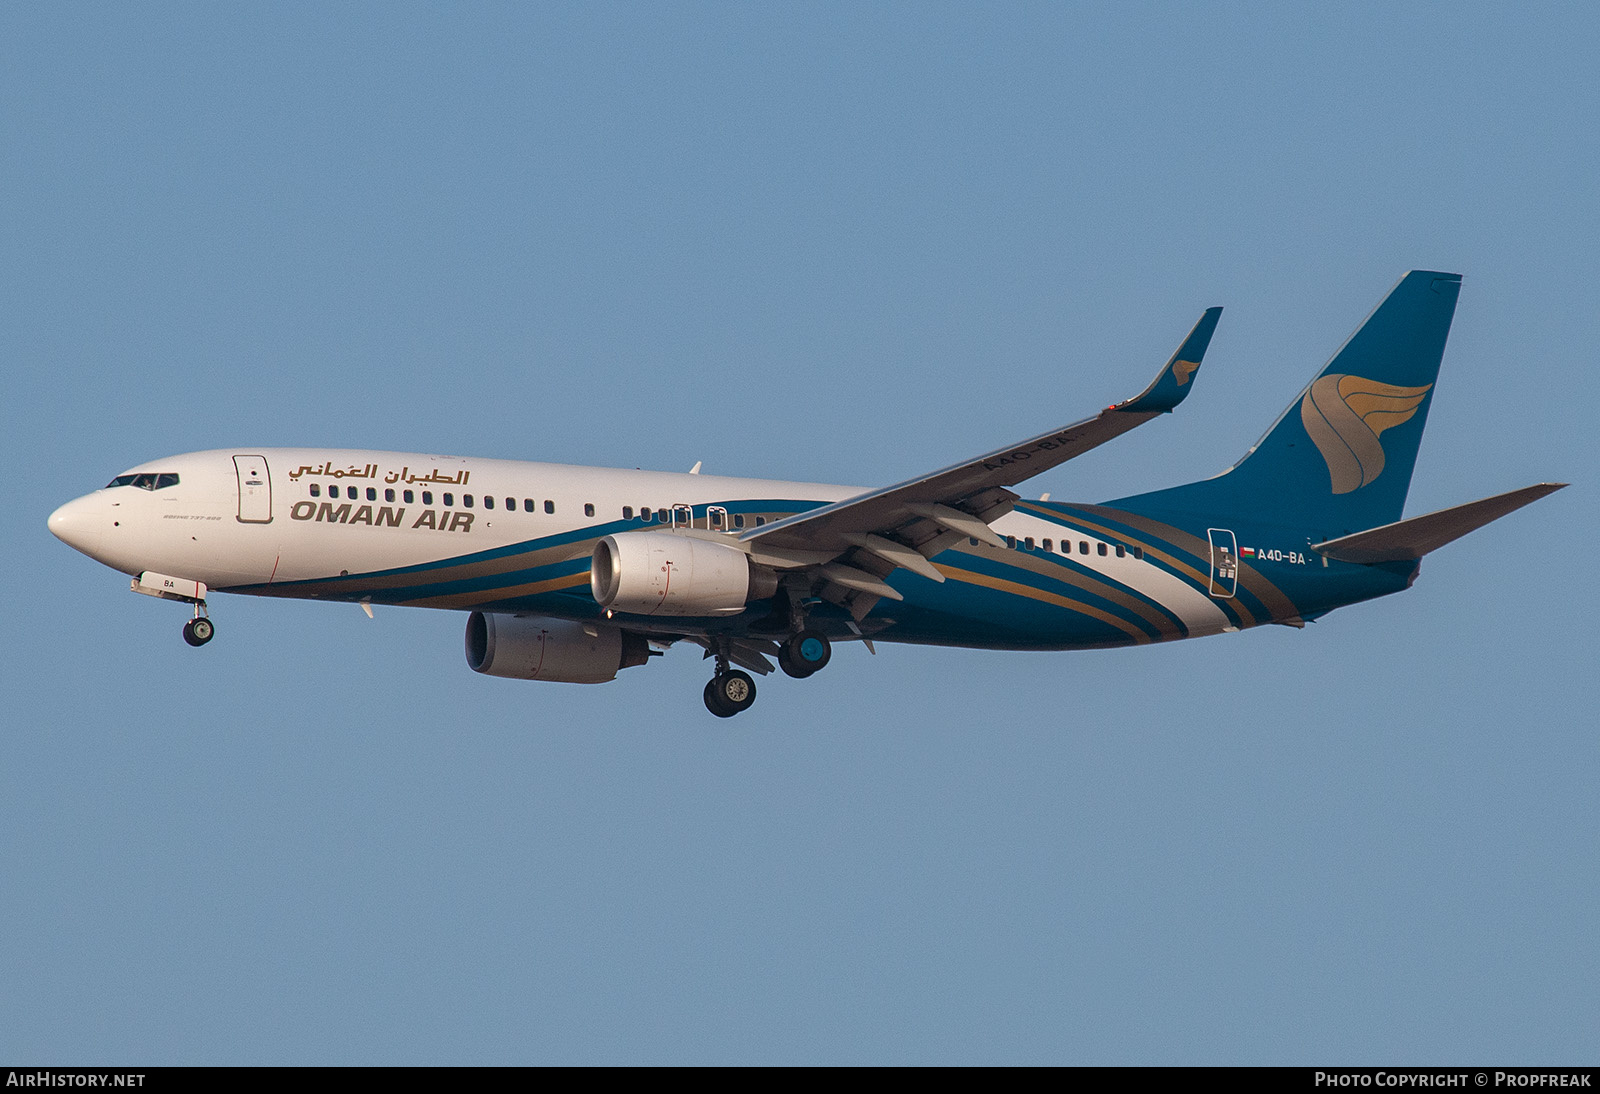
198, 631
804, 653
788, 665
734, 691
714, 701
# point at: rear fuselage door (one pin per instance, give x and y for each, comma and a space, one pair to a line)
1224, 563
255, 489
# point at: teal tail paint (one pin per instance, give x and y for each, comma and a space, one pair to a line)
1339, 459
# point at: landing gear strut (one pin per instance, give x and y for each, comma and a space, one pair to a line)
730, 690
804, 653
198, 631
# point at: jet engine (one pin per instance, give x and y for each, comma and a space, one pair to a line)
659, 573
524, 647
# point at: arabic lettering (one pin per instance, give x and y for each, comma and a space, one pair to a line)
371, 470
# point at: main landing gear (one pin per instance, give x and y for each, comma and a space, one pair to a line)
729, 692
804, 653
198, 631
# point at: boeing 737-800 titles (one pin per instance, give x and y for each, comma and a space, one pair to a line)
575, 573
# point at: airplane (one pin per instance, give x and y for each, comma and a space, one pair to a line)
573, 574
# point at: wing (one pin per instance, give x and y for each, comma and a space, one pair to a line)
911, 522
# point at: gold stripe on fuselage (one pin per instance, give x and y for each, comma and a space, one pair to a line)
1106, 588
1000, 584
1152, 548
1276, 601
505, 592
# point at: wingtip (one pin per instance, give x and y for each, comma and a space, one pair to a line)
1172, 384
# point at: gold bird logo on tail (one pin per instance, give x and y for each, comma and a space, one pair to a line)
1183, 370
1345, 415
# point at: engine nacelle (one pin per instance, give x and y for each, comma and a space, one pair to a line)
659, 573
524, 647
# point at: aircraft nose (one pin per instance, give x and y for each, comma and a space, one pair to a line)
75, 525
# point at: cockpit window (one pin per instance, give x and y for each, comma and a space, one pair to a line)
145, 481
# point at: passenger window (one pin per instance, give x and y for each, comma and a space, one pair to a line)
738, 520
549, 506
427, 497
333, 491
1121, 550
588, 509
1101, 548
1048, 546
627, 512
488, 501
372, 493
661, 515
466, 500
316, 491
449, 499
1011, 542
1138, 552
527, 505
646, 515
1029, 542
760, 521
511, 505
408, 496
1083, 546
972, 541
388, 495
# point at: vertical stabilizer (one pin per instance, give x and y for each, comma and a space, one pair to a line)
1340, 457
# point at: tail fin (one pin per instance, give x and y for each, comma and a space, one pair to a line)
1340, 457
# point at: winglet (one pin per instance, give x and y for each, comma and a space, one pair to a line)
1173, 383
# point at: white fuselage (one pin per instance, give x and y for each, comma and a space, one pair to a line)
253, 518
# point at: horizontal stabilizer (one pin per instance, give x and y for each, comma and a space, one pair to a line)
1411, 539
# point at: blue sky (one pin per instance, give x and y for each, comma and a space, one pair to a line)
830, 243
